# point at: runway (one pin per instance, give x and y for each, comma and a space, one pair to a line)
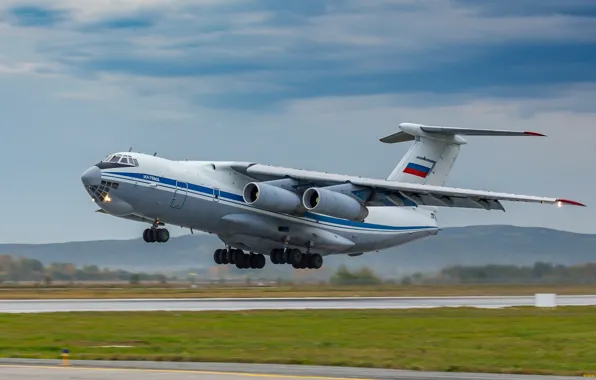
27, 369
233, 304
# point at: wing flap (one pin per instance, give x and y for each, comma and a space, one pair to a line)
425, 195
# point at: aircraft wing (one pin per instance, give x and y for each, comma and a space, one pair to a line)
393, 193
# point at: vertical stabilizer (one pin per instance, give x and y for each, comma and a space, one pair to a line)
427, 162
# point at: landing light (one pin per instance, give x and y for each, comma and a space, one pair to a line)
559, 204
108, 199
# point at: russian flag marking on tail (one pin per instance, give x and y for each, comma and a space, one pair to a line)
420, 169
417, 170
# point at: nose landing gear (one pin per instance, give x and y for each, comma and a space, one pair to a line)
156, 235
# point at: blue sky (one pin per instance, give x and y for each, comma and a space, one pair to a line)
309, 84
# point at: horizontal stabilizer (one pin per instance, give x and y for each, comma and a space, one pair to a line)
477, 132
397, 138
409, 131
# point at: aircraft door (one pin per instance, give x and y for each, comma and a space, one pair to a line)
179, 195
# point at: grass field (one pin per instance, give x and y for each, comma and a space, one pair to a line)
124, 291
523, 340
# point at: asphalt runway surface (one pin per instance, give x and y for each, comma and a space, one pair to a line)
232, 304
29, 369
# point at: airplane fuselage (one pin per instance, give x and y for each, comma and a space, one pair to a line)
297, 216
208, 196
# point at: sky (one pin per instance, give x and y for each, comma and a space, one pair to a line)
309, 84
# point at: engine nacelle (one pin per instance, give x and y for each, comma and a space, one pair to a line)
328, 202
271, 198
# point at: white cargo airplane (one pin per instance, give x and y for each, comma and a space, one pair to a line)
295, 216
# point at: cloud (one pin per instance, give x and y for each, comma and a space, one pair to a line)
499, 8
325, 48
36, 16
89, 11
19, 68
135, 22
27, 68
257, 53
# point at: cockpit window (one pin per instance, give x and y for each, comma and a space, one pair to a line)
121, 159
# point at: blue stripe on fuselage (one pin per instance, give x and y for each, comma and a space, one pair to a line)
238, 198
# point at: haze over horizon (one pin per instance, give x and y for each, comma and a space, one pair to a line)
311, 84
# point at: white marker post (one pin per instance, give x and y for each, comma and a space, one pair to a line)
545, 300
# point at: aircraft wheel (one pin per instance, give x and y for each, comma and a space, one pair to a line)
162, 235
304, 262
240, 261
147, 235
223, 256
236, 255
273, 256
296, 256
260, 261
151, 235
257, 261
246, 261
233, 255
217, 256
252, 261
315, 261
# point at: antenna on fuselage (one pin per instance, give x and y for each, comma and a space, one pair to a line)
130, 149
155, 153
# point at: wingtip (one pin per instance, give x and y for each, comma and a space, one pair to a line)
562, 201
528, 133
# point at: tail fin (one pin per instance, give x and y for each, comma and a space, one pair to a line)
430, 159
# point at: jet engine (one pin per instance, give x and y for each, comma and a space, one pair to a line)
328, 202
271, 198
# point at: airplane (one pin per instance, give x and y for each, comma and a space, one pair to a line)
295, 216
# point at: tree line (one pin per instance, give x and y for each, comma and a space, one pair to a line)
539, 273
25, 269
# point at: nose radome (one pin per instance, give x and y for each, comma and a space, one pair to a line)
91, 176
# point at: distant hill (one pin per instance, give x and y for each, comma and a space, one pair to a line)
475, 245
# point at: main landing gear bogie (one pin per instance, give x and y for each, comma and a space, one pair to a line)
239, 258
156, 235
296, 258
